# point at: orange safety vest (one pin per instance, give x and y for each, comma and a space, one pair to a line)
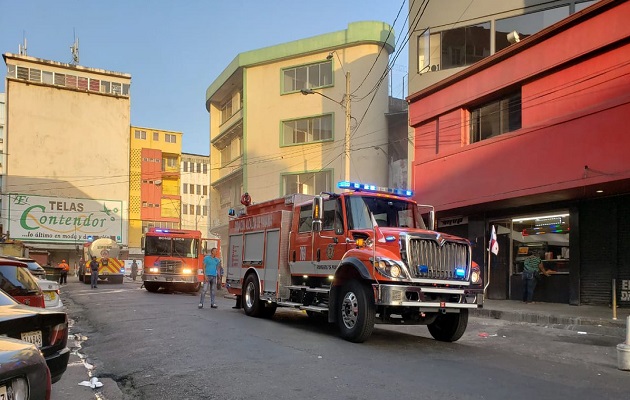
64, 266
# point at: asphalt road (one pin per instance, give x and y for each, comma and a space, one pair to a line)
161, 346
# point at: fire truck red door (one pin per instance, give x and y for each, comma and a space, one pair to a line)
330, 245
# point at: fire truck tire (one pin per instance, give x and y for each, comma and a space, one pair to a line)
356, 312
251, 297
449, 327
117, 279
86, 280
152, 286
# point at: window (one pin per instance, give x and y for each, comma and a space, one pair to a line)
453, 48
185, 164
198, 210
205, 168
306, 218
185, 208
142, 135
198, 167
231, 106
11, 71
35, 75
198, 189
71, 81
22, 73
106, 86
332, 215
95, 85
82, 83
307, 77
205, 210
205, 190
185, 188
168, 138
307, 130
307, 182
192, 189
231, 152
169, 162
116, 88
191, 209
527, 24
494, 118
60, 79
156, 136
47, 77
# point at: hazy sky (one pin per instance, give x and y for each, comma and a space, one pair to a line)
175, 49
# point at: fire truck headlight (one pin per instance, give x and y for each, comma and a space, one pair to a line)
154, 270
187, 271
390, 268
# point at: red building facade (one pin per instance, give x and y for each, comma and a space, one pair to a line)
536, 141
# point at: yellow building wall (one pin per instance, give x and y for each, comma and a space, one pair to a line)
170, 208
265, 112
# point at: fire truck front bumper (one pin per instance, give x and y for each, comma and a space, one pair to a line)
428, 298
170, 278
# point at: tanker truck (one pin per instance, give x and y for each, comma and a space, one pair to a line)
107, 253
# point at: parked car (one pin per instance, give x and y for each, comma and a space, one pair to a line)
51, 294
46, 329
33, 266
24, 374
19, 283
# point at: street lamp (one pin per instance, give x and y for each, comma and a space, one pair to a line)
348, 117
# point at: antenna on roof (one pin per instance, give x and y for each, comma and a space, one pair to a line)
22, 47
74, 49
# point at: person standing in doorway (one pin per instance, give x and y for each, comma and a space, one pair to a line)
93, 264
533, 265
63, 274
211, 265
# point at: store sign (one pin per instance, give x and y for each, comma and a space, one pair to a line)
446, 222
625, 290
63, 220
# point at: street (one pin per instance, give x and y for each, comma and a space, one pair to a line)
161, 346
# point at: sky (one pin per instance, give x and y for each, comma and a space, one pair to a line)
175, 49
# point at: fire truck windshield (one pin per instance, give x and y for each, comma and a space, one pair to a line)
387, 213
170, 246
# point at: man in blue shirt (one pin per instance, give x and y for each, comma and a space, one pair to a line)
211, 265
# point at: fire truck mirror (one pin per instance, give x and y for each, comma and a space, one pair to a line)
318, 211
317, 225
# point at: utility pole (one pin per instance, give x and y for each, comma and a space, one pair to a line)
347, 138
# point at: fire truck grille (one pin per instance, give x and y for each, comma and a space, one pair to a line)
428, 259
171, 267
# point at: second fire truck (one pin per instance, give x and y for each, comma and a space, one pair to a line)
357, 258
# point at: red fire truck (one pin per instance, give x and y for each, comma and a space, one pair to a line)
357, 258
173, 259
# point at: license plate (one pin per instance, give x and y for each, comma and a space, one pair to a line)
49, 296
3, 393
34, 337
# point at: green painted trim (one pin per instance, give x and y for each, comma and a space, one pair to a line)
244, 144
332, 139
312, 171
363, 32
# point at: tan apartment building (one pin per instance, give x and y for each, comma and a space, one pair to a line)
195, 189
67, 155
269, 139
154, 183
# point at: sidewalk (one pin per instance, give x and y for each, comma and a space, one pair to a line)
560, 315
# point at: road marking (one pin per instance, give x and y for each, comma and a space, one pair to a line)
106, 291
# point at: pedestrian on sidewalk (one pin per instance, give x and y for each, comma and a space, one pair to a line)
533, 266
211, 265
63, 274
94, 270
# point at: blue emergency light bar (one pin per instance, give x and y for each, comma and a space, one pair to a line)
373, 188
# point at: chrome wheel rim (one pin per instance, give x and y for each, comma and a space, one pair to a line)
249, 295
350, 310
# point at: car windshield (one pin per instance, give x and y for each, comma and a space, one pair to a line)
17, 281
387, 213
167, 246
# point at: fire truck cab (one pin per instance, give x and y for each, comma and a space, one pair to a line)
357, 258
